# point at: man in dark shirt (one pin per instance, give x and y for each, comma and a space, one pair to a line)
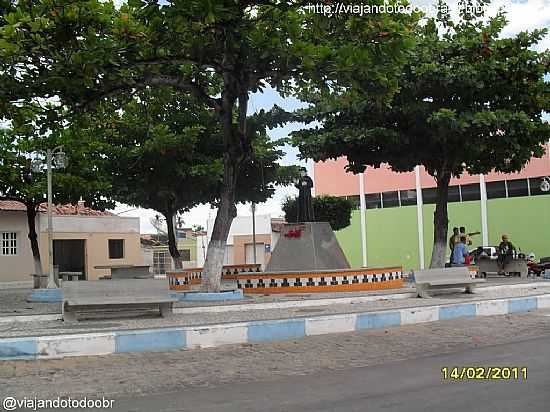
505, 253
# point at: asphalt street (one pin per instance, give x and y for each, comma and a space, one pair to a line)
413, 385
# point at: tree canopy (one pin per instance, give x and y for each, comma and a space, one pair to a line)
164, 151
469, 100
334, 210
218, 51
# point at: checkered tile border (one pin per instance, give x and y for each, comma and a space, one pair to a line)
326, 280
183, 279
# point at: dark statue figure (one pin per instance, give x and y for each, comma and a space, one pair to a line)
304, 204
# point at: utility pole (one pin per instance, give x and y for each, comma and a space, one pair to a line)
253, 208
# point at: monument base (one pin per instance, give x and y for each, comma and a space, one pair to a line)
310, 246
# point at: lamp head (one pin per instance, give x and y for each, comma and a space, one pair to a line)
60, 159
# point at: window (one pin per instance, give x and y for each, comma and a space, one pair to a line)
373, 201
454, 194
470, 192
185, 255
429, 196
408, 197
496, 190
390, 199
517, 188
116, 248
9, 244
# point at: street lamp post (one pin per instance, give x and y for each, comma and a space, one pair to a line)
59, 162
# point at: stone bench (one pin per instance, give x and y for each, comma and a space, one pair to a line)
131, 272
514, 266
444, 278
114, 297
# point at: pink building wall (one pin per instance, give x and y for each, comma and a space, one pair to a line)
331, 177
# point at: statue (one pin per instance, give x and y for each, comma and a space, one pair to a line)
304, 205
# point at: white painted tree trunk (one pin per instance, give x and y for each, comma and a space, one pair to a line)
211, 282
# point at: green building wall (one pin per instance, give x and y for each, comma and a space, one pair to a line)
392, 234
191, 244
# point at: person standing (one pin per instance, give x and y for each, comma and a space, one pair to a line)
505, 253
453, 240
460, 252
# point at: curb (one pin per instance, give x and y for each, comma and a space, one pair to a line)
46, 295
209, 296
152, 340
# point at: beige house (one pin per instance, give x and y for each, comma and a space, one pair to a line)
84, 240
240, 243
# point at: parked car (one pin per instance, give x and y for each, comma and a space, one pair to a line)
489, 251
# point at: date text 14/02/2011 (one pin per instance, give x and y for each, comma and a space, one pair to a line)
484, 373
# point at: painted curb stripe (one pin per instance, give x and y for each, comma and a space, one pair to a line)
209, 337
276, 330
47, 347
150, 340
51, 347
457, 311
492, 307
331, 324
378, 320
18, 348
522, 305
412, 316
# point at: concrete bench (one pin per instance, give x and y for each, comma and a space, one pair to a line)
114, 297
444, 278
514, 266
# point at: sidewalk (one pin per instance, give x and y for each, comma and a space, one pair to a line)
13, 302
269, 308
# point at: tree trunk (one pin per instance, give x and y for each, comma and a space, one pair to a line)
441, 220
172, 244
33, 237
212, 272
237, 147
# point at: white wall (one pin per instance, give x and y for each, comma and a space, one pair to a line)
91, 224
242, 225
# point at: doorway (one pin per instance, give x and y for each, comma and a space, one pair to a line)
70, 255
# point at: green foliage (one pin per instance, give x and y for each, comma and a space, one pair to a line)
164, 151
81, 177
468, 100
88, 52
332, 209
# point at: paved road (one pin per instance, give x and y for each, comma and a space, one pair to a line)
412, 385
394, 369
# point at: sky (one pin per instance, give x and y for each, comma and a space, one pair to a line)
522, 15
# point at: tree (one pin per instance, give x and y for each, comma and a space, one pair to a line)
468, 101
332, 209
164, 152
219, 51
19, 182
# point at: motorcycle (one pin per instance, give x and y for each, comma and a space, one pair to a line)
538, 268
